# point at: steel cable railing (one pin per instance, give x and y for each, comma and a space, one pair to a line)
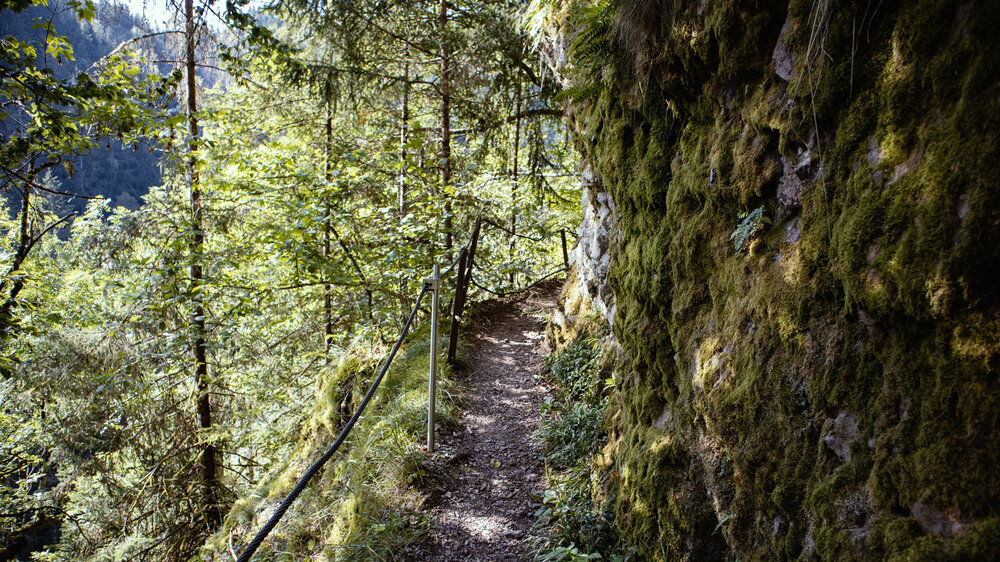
255, 543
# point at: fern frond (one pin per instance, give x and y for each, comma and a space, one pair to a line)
592, 44
751, 224
577, 94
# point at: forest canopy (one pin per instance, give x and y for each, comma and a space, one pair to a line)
159, 349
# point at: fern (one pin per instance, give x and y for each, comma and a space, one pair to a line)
591, 46
577, 94
748, 228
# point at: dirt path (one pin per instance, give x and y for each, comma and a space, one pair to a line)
486, 510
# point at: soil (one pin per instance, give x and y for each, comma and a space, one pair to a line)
484, 506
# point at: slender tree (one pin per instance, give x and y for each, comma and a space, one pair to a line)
327, 228
404, 136
446, 125
514, 167
209, 461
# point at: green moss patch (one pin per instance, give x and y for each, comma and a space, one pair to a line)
830, 391
365, 503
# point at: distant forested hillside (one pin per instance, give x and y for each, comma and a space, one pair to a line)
120, 173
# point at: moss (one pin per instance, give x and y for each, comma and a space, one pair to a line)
573, 315
873, 301
363, 497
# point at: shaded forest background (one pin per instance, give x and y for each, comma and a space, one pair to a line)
176, 354
122, 173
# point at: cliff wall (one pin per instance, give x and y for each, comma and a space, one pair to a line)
799, 250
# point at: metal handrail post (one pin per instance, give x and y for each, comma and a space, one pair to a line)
435, 285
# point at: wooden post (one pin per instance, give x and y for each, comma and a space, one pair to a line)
435, 283
562, 233
465, 262
472, 249
461, 288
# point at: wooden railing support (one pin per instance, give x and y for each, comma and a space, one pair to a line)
562, 234
457, 304
464, 278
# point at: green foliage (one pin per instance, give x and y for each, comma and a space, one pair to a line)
750, 226
577, 368
572, 434
593, 46
577, 529
23, 463
574, 521
571, 426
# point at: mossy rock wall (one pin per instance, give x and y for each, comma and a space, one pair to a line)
830, 390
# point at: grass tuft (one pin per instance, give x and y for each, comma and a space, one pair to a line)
365, 504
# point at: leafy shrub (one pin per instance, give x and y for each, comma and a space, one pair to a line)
573, 434
572, 526
577, 369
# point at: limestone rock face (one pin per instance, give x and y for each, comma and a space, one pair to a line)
937, 522
591, 255
587, 290
841, 433
784, 61
830, 389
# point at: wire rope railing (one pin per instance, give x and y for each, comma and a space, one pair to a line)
255, 543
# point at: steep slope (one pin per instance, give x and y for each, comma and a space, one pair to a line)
806, 236
367, 501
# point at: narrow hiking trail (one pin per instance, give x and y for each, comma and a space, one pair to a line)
485, 508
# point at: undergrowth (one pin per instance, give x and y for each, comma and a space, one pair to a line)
572, 431
366, 503
576, 520
576, 369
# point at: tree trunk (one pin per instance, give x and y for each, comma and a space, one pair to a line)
514, 170
404, 138
24, 240
327, 226
445, 125
209, 467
